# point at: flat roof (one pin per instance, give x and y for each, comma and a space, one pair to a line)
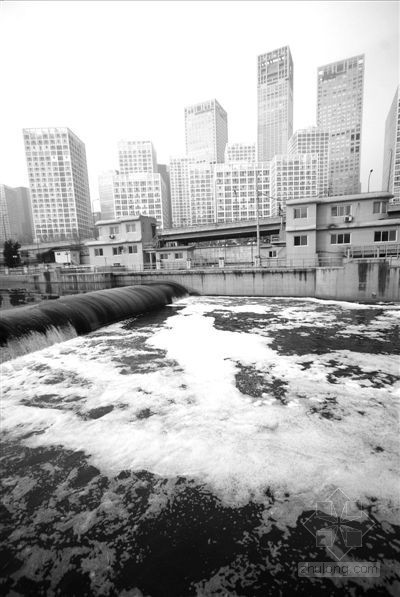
337, 198
123, 219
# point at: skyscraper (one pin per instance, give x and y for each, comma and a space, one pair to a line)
206, 131
391, 156
275, 103
316, 141
136, 156
339, 110
59, 186
106, 194
15, 214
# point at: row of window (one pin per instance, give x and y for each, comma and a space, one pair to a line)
117, 250
379, 207
380, 236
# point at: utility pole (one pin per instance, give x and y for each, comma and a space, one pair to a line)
369, 177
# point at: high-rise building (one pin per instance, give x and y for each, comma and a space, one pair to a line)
339, 110
141, 193
206, 131
240, 152
316, 141
180, 200
275, 103
391, 157
59, 186
106, 194
236, 191
292, 177
136, 156
201, 192
15, 214
164, 171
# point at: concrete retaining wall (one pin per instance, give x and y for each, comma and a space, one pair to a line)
241, 282
356, 281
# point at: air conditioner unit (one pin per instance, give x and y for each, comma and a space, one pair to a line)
348, 218
112, 235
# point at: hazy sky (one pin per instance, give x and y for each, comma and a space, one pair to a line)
110, 70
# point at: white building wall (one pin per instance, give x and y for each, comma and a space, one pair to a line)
206, 131
58, 180
315, 141
136, 156
240, 152
235, 191
292, 177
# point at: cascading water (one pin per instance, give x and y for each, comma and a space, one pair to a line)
31, 328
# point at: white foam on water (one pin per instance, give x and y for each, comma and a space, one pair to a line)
187, 417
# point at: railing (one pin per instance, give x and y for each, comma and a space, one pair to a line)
377, 251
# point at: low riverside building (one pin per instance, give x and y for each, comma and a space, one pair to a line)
319, 230
123, 242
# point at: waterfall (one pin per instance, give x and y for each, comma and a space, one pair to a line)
26, 329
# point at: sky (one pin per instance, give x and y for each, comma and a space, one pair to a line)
113, 70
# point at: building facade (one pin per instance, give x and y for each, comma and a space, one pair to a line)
391, 157
275, 103
292, 177
136, 156
313, 140
206, 131
180, 200
123, 242
16, 221
339, 110
240, 152
59, 187
236, 191
106, 193
141, 194
201, 192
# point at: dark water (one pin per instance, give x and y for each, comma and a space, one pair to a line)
185, 452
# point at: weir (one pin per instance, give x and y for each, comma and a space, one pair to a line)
26, 329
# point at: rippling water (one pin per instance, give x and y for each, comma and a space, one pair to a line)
185, 452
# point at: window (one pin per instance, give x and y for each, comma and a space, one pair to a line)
118, 250
379, 207
340, 239
114, 229
178, 255
272, 254
130, 227
164, 255
340, 210
98, 252
301, 241
384, 236
300, 212
132, 249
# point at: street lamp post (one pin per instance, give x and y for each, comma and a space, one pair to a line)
369, 177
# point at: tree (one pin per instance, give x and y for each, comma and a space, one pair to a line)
11, 254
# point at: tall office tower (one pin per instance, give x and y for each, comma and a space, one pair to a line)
316, 141
164, 171
391, 156
235, 191
275, 103
106, 194
58, 180
292, 177
15, 214
339, 110
141, 193
180, 200
201, 192
206, 131
136, 156
240, 152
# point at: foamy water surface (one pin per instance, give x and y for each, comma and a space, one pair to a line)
218, 421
